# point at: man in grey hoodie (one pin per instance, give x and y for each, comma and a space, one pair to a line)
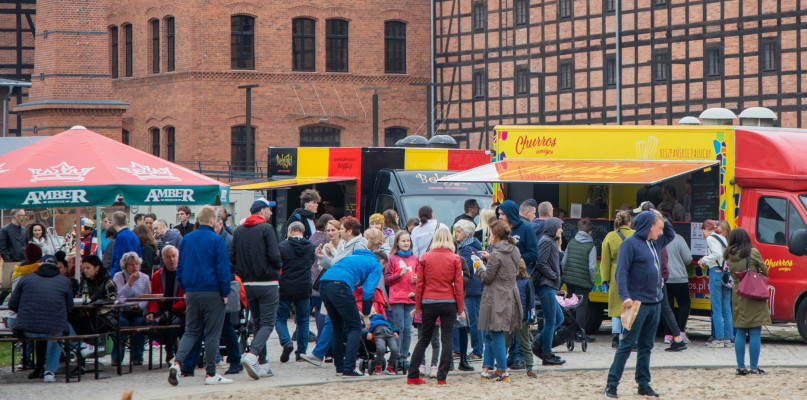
579, 268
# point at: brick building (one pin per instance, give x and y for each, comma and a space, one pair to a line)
173, 71
553, 62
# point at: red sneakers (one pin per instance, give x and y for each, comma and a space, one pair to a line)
378, 370
442, 382
416, 381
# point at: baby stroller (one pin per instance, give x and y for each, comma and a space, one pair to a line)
366, 357
565, 333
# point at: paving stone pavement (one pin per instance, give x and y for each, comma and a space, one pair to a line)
781, 347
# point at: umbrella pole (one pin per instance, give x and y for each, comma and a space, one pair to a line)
78, 244
98, 231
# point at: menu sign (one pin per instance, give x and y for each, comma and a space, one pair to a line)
705, 195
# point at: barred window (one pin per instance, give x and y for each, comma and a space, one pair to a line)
565, 8
522, 81
522, 12
770, 55
480, 15
303, 54
480, 85
319, 136
661, 66
395, 47
242, 148
336, 38
155, 141
155, 46
714, 61
566, 75
242, 42
610, 70
113, 49
170, 45
170, 143
127, 34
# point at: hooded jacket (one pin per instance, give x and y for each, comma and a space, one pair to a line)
500, 308
638, 266
307, 218
474, 286
547, 270
360, 269
297, 254
255, 252
679, 256
42, 301
521, 232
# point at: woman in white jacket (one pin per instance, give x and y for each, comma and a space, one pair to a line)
719, 293
423, 234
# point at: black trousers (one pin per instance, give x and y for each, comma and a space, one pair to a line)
679, 292
582, 306
447, 312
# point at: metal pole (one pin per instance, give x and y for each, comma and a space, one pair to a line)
375, 118
432, 77
5, 110
618, 66
78, 244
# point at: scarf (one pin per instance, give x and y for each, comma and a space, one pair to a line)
404, 253
466, 242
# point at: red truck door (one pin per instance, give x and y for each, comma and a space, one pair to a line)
770, 217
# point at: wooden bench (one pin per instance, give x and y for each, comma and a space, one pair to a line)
65, 342
148, 331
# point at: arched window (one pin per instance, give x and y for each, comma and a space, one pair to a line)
242, 147
170, 143
242, 42
127, 37
393, 134
113, 51
155, 45
155, 141
395, 47
170, 43
303, 54
319, 136
336, 45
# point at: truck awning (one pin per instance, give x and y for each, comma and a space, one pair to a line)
639, 172
287, 183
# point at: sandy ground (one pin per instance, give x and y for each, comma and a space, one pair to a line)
670, 383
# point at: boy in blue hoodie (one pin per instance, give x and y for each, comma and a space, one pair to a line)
638, 276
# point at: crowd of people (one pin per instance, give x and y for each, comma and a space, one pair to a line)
470, 283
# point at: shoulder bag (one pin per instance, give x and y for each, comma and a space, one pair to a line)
753, 285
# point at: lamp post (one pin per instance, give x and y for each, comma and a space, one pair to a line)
375, 110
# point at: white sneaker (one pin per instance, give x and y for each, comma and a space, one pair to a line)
174, 373
217, 380
88, 351
433, 372
422, 370
715, 343
312, 359
250, 363
49, 377
265, 371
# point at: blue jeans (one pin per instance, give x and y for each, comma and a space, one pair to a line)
553, 316
753, 346
323, 339
643, 331
344, 314
137, 342
616, 325
53, 351
720, 299
472, 313
403, 323
229, 339
301, 317
495, 352
514, 352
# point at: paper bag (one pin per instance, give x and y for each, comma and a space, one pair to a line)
629, 314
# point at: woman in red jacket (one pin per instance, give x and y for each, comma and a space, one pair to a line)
399, 275
439, 293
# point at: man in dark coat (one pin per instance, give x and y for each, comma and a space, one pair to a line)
297, 254
471, 208
307, 214
13, 238
42, 301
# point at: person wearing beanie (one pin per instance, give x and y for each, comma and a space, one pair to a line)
377, 221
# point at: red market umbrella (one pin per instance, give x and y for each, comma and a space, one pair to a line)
79, 168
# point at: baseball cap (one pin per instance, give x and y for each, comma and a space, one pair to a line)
260, 204
48, 259
88, 223
645, 206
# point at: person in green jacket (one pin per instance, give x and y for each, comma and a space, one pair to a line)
579, 268
610, 250
748, 314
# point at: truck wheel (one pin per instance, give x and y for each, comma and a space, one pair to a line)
594, 316
801, 319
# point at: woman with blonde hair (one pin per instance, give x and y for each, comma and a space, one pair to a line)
610, 251
482, 233
438, 294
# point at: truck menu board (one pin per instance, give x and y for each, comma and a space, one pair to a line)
705, 195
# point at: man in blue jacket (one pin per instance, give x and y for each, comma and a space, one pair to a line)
125, 241
336, 287
638, 276
204, 273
